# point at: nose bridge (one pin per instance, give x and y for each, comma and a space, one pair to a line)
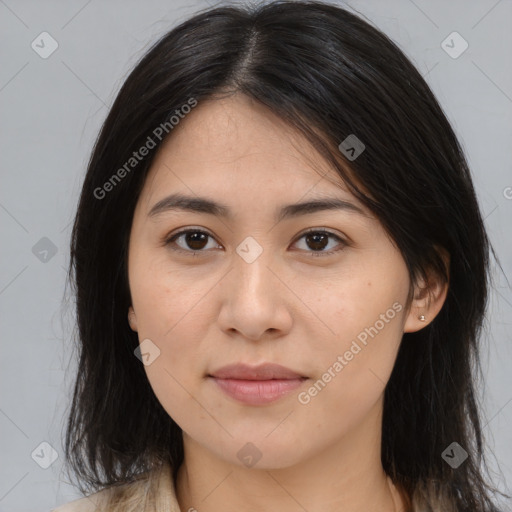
252, 304
251, 263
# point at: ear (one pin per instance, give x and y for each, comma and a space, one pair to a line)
428, 298
132, 319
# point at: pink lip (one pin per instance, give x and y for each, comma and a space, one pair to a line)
256, 385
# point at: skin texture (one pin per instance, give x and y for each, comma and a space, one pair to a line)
289, 306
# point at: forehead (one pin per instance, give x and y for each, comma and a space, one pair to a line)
235, 148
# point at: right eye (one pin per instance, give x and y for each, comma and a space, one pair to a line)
195, 239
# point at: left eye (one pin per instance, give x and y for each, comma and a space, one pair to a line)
197, 241
319, 239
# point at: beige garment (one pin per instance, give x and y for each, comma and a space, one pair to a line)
165, 492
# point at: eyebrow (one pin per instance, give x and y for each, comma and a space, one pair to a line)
176, 202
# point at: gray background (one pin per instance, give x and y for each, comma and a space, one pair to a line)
51, 111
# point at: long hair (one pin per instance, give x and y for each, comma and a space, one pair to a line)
328, 74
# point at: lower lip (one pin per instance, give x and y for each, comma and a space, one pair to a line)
258, 392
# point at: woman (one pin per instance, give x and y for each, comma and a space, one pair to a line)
281, 275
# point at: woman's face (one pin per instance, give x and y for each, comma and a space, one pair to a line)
259, 290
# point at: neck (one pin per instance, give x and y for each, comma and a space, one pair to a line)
347, 476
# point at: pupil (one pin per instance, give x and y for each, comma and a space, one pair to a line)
316, 237
195, 238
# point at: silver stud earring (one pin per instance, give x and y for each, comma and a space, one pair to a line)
421, 318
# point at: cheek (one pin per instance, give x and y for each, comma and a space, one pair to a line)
170, 312
370, 338
351, 378
362, 317
353, 303
164, 298
175, 373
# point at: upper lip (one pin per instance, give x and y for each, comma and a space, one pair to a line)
265, 371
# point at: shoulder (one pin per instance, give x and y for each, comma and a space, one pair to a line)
158, 481
90, 503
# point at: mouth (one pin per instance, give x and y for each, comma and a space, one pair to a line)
256, 385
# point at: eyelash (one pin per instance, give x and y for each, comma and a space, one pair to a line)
170, 240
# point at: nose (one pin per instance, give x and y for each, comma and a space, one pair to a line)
255, 299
